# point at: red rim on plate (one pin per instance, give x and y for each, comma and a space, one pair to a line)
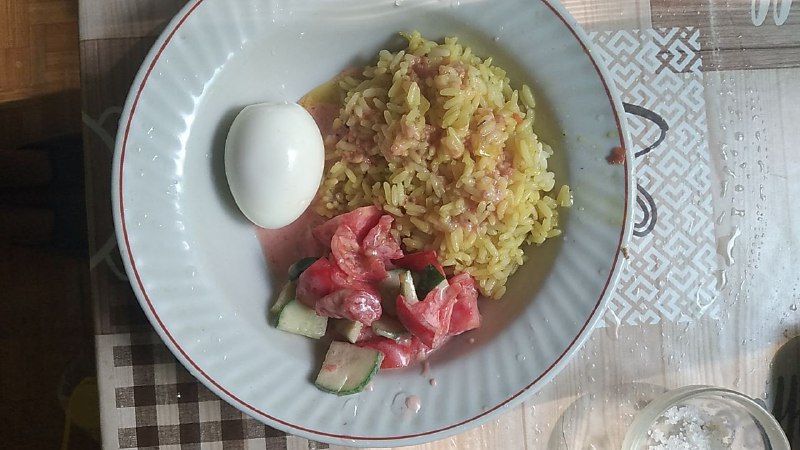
208, 380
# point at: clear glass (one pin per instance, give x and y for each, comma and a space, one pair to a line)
704, 417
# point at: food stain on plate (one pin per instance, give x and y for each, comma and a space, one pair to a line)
282, 247
405, 405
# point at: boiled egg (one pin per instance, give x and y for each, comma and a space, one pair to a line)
274, 157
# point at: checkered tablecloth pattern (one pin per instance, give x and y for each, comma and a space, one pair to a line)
158, 404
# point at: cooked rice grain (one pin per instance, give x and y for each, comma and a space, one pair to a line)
438, 138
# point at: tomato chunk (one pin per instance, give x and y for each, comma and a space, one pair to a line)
316, 282
379, 241
350, 257
361, 306
418, 261
465, 315
397, 354
360, 220
428, 319
342, 280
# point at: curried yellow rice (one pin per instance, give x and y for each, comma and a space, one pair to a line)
438, 138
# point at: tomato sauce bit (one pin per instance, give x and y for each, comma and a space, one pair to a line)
617, 156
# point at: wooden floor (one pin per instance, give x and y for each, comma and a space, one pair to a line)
45, 321
39, 45
39, 70
44, 326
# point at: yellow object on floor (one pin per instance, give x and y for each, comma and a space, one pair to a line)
82, 410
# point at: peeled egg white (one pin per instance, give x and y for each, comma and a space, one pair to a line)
274, 157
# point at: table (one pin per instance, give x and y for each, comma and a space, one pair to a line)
710, 291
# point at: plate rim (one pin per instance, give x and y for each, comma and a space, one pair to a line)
118, 210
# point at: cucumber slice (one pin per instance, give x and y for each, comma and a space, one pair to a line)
348, 368
286, 295
389, 290
300, 266
298, 318
407, 287
427, 280
349, 329
390, 327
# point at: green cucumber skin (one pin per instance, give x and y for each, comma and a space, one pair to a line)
389, 327
374, 366
360, 388
392, 336
286, 295
427, 280
363, 385
300, 266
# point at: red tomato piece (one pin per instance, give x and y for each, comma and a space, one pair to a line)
348, 255
341, 280
379, 241
361, 306
422, 329
428, 319
316, 282
360, 220
397, 354
465, 315
418, 261
345, 250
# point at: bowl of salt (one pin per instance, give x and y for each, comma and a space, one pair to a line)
704, 418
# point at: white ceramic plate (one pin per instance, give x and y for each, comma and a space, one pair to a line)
202, 279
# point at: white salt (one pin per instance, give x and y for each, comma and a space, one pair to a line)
688, 427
